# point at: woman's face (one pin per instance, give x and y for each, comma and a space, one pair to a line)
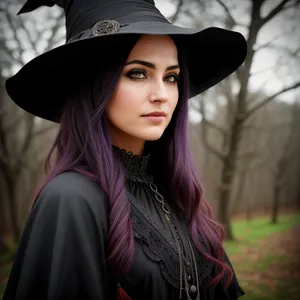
146, 95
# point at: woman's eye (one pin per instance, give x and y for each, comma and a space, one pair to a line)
173, 78
137, 74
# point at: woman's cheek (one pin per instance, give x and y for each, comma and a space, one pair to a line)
127, 94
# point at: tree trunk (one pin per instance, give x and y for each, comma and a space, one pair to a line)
224, 216
229, 166
249, 214
224, 200
276, 203
13, 209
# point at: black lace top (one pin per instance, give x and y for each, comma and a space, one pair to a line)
63, 250
157, 263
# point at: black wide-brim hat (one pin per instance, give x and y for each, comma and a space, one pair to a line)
93, 28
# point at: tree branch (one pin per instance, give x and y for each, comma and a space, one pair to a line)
15, 36
238, 74
178, 8
54, 30
29, 127
270, 42
43, 130
262, 71
29, 132
282, 48
262, 164
8, 52
33, 42
231, 19
215, 126
248, 155
297, 2
272, 128
25, 144
269, 99
216, 152
276, 10
14, 123
289, 149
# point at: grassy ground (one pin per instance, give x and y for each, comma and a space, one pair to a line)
265, 257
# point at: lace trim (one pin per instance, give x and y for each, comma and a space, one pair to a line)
135, 166
152, 222
159, 251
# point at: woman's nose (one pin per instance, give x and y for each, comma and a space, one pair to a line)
159, 93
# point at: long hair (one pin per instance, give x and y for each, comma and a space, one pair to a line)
172, 163
83, 144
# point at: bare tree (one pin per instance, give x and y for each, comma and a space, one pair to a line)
291, 147
240, 105
21, 152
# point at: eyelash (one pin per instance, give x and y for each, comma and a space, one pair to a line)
131, 74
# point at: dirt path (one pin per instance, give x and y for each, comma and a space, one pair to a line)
272, 266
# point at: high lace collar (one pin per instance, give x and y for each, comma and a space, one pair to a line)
135, 166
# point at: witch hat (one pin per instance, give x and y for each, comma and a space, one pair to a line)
93, 28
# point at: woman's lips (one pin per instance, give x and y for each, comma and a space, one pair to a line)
154, 119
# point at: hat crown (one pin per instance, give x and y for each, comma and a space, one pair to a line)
83, 14
31, 5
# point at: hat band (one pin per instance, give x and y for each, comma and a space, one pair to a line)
105, 27
112, 25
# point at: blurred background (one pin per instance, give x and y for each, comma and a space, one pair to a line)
245, 135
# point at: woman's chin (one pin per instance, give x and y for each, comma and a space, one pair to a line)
153, 135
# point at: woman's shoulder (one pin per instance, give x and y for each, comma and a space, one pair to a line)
71, 183
73, 189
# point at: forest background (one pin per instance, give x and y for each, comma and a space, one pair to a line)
245, 135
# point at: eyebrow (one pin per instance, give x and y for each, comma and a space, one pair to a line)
150, 65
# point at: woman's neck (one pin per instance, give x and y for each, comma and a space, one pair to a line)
136, 148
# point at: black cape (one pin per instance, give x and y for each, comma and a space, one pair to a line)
63, 250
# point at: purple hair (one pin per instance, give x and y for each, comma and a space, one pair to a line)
85, 146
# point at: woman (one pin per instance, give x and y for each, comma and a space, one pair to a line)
121, 212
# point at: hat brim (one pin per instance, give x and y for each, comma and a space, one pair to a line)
213, 54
